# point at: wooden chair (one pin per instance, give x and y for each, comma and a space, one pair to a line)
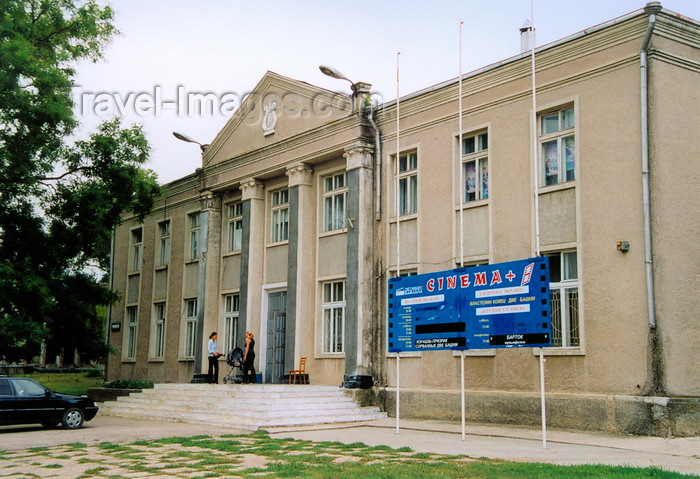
301, 372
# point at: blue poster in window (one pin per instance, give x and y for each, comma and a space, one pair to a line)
502, 305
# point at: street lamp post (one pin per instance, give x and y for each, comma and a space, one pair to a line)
198, 375
359, 182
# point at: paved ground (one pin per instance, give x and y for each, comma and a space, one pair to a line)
511, 443
517, 443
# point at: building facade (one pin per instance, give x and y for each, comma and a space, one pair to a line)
308, 201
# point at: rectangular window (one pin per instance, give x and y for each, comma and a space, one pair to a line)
408, 184
190, 327
558, 147
231, 311
195, 226
335, 192
563, 290
333, 307
280, 216
235, 226
159, 330
164, 247
404, 273
475, 164
131, 321
137, 249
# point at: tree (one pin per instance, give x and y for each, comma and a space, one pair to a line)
59, 202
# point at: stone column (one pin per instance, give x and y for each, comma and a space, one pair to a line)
252, 257
359, 312
210, 301
300, 258
209, 204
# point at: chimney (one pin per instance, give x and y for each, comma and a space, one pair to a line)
526, 34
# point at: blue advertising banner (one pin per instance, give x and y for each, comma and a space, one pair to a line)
501, 305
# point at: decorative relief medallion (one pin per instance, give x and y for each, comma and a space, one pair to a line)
270, 119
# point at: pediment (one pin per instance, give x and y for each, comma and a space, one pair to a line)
278, 108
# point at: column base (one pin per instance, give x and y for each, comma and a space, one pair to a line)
200, 378
358, 381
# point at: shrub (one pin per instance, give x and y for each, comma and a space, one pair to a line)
94, 373
129, 384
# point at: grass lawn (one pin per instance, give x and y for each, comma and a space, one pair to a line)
258, 455
75, 384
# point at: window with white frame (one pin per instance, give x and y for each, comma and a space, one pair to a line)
190, 327
563, 291
475, 165
558, 146
404, 273
195, 225
279, 228
235, 226
158, 330
136, 249
131, 322
231, 312
333, 308
164, 245
408, 184
335, 192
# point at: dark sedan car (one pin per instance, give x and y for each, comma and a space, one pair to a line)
25, 401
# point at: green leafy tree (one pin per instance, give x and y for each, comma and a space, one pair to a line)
59, 202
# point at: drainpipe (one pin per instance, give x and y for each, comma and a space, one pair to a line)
377, 165
108, 316
652, 8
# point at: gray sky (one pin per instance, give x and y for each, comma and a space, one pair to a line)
170, 48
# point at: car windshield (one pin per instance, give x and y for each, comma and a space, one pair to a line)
27, 387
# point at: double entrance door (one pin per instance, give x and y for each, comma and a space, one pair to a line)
276, 331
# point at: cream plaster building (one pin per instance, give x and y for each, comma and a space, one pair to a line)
290, 230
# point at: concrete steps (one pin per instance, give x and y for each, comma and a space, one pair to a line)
250, 406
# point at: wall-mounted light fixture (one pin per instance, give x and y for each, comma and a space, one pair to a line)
623, 246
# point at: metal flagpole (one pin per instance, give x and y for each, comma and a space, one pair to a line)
398, 235
398, 155
536, 174
398, 378
459, 158
463, 399
460, 190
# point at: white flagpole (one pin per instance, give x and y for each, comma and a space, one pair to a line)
463, 398
398, 154
535, 144
461, 213
398, 380
536, 174
459, 158
398, 236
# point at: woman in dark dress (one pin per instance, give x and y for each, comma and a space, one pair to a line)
249, 359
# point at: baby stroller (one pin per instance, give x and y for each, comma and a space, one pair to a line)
234, 359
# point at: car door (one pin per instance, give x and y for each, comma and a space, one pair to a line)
6, 401
31, 401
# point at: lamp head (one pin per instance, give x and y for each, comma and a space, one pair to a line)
333, 73
186, 138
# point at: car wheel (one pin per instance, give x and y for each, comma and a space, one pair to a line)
73, 418
50, 423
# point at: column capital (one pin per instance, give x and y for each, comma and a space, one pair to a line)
252, 189
209, 200
358, 155
300, 174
